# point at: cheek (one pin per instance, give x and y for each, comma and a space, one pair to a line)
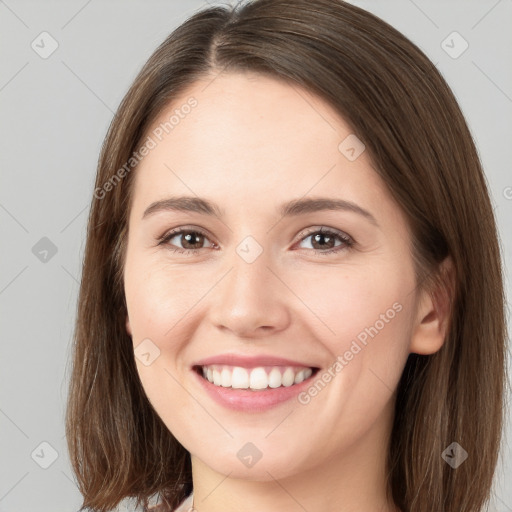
159, 306
365, 326
356, 303
363, 319
158, 298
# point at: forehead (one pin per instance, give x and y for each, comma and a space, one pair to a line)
234, 113
244, 139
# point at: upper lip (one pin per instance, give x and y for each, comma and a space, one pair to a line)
246, 361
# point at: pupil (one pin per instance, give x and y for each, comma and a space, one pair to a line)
190, 237
319, 236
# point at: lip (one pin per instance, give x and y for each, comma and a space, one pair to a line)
247, 400
250, 361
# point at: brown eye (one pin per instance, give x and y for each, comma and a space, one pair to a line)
191, 240
324, 241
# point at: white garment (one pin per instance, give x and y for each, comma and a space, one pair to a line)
186, 504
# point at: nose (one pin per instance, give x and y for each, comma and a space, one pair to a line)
251, 299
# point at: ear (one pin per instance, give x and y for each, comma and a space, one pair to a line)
128, 327
434, 308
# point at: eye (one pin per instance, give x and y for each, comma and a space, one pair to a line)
325, 239
190, 239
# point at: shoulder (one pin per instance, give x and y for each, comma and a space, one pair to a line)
158, 508
183, 507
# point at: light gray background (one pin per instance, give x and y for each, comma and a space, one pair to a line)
54, 115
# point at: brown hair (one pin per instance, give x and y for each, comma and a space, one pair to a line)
398, 104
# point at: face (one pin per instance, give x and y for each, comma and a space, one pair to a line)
313, 307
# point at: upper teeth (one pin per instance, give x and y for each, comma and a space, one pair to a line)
255, 378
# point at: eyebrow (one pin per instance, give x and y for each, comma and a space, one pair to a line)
292, 208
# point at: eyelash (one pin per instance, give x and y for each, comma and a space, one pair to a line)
347, 240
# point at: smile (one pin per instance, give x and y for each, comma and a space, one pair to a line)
256, 379
252, 383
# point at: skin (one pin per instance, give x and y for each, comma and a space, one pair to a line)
250, 144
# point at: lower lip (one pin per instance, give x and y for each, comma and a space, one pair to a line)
252, 401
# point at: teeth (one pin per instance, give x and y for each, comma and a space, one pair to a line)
225, 378
239, 378
274, 378
299, 377
258, 378
288, 377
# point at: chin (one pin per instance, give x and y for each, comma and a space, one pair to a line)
276, 464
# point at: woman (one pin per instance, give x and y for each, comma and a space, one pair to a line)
292, 295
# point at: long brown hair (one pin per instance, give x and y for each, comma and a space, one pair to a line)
398, 104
